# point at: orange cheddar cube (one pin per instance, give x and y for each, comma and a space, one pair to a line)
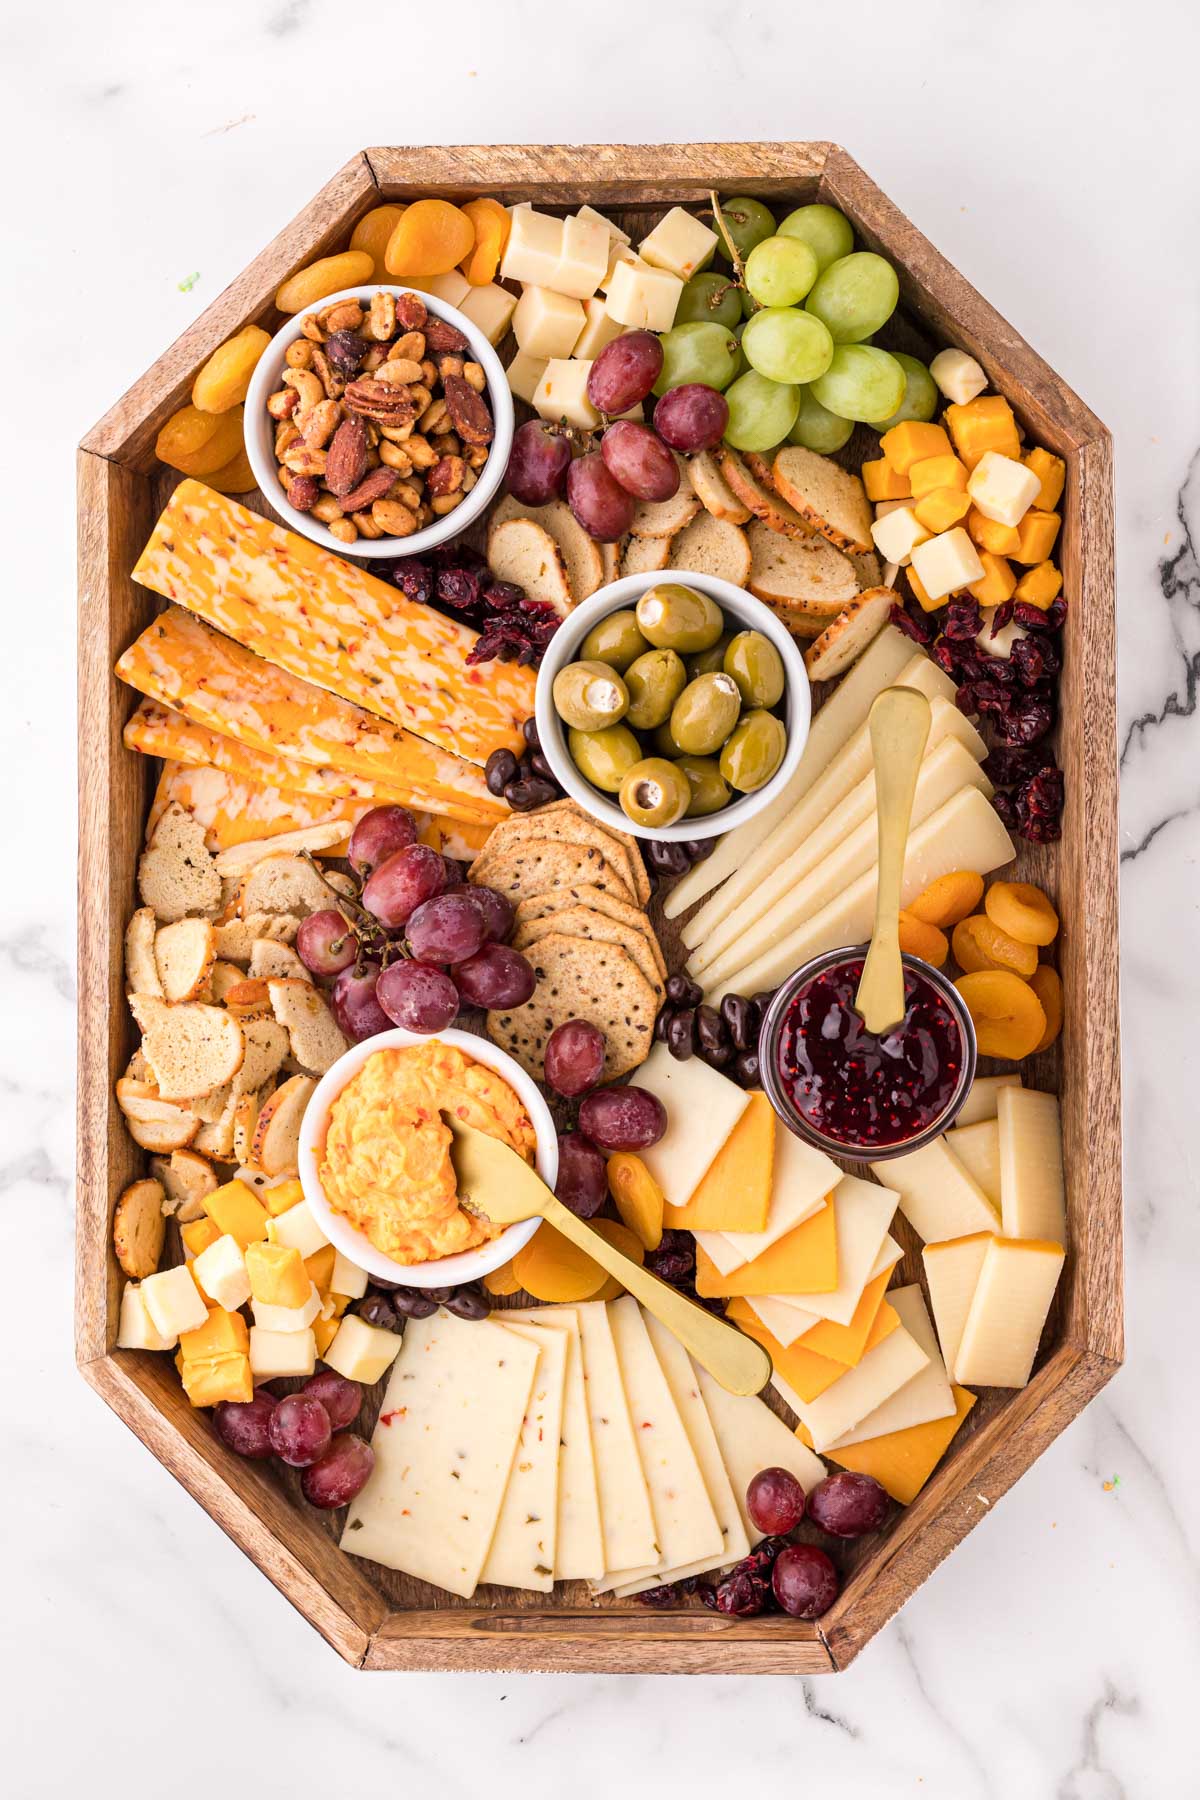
942, 507
1037, 531
319, 1269
282, 1197
913, 441
937, 472
919, 593
222, 1334
324, 1331
277, 1275
981, 425
1040, 586
989, 534
233, 1208
217, 1378
883, 482
1051, 471
198, 1234
997, 583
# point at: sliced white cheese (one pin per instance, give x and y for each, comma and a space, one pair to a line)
952, 1273
702, 1105
862, 1213
752, 1437
523, 1549
629, 1541
444, 1445
981, 1102
1033, 1195
977, 1148
859, 1391
926, 1397
800, 1180
937, 1196
787, 1321
579, 1544
1008, 1311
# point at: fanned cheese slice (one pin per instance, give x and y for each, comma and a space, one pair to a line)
629, 1541
843, 1343
752, 1437
903, 1461
937, 1196
862, 1212
926, 1397
805, 1370
735, 1190
329, 622
952, 1272
801, 1180
977, 1148
703, 1106
579, 1547
805, 1261
523, 1548
877, 1377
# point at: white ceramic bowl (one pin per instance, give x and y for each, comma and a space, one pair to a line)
447, 1271
259, 432
737, 604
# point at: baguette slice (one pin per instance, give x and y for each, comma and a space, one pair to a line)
581, 555
153, 1123
240, 857
610, 557
271, 961
825, 496
712, 546
808, 577
141, 970
715, 494
843, 642
646, 555
187, 1181
315, 1036
763, 501
267, 1044
522, 551
276, 1140
138, 1228
283, 884
184, 954
176, 874
193, 1049
663, 518
237, 937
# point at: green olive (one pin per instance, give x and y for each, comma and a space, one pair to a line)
590, 695
604, 757
615, 641
757, 667
674, 617
705, 713
707, 662
655, 682
754, 751
655, 792
710, 790
664, 743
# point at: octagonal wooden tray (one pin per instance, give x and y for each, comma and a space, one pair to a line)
389, 1621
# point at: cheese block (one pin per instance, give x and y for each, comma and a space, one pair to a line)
903, 1461
534, 248
1033, 1194
584, 258
927, 1396
937, 1196
329, 622
444, 1446
805, 1261
835, 722
801, 1181
805, 1372
579, 1543
876, 1378
1008, 1311
751, 1437
982, 1101
598, 330
547, 324
846, 1344
952, 1274
629, 1541
862, 1211
977, 1148
491, 308
524, 1547
735, 1190
702, 1107
679, 242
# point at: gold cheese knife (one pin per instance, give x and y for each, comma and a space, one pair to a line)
899, 727
494, 1181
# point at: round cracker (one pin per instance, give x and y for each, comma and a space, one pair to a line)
578, 978
566, 825
138, 1227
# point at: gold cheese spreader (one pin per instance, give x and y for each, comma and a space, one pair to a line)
899, 727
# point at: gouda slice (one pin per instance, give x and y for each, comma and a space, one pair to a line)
982, 1101
977, 1148
1008, 1310
1033, 1195
702, 1108
937, 1196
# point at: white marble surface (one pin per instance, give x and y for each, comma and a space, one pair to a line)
1051, 153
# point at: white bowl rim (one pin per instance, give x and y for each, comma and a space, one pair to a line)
258, 431
623, 593
447, 1271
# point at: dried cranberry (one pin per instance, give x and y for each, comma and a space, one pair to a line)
1025, 719
965, 700
412, 576
1008, 766
459, 588
1002, 615
502, 596
741, 1596
1006, 810
991, 697
1033, 618
675, 1258
963, 620
1040, 802
659, 1596
988, 668
943, 654
915, 622
1035, 659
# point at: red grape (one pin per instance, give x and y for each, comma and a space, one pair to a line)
848, 1505
400, 883
355, 1007
342, 1472
446, 929
624, 372
497, 978
640, 461
245, 1425
627, 1118
804, 1580
574, 1059
341, 1398
692, 417
598, 501
325, 943
582, 1183
537, 463
418, 996
497, 910
378, 835
299, 1430
775, 1501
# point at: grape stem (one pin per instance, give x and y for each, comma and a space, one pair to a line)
370, 937
738, 282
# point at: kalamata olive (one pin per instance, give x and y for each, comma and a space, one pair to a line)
681, 1034
682, 992
662, 1025
741, 1020
667, 859
698, 849
499, 769
541, 766
527, 796
745, 1069
469, 1302
410, 1303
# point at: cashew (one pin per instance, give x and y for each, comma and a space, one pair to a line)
319, 425
307, 385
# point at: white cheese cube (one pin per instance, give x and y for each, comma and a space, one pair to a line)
547, 324
534, 248
1002, 488
287, 1318
221, 1272
958, 375
643, 297
946, 562
884, 507
615, 234
281, 1353
599, 329
452, 287
998, 643
561, 394
137, 1330
174, 1302
585, 253
620, 253
679, 243
491, 308
360, 1352
897, 534
524, 372
347, 1278
297, 1229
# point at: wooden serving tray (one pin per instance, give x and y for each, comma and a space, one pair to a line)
374, 1618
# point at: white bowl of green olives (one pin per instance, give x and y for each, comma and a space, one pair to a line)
674, 705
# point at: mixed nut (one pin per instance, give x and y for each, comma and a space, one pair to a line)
382, 422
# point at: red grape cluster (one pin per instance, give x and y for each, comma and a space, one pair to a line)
306, 1430
725, 1037
625, 1118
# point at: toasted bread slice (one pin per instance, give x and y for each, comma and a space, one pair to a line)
276, 1140
176, 874
271, 961
216, 1138
209, 1108
141, 970
138, 1228
711, 546
235, 940
645, 555
193, 1048
246, 1109
768, 506
248, 999
241, 857
844, 641
869, 570
825, 495
266, 1046
138, 1069
283, 884
714, 492
522, 551
187, 1181
154, 1123
807, 576
316, 1038
226, 975
610, 557
663, 518
581, 555
184, 954
760, 467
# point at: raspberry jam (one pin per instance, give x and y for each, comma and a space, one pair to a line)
868, 1091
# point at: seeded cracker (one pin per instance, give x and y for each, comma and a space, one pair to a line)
580, 979
582, 922
538, 864
564, 824
540, 906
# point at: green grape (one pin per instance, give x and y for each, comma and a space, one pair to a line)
818, 429
780, 271
749, 304
761, 412
920, 396
855, 295
827, 232
698, 303
747, 221
786, 344
697, 352
862, 382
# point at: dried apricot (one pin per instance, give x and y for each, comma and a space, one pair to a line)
1023, 911
328, 276
551, 1268
223, 380
979, 944
199, 443
948, 899
432, 238
503, 1280
637, 1196
920, 939
1046, 983
492, 225
624, 1239
1010, 1020
372, 233
234, 477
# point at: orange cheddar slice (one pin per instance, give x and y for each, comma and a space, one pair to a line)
903, 1461
873, 1320
329, 622
802, 1369
803, 1262
735, 1194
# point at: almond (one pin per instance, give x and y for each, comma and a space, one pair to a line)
347, 456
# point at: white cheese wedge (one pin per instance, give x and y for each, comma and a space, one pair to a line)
863, 1210
524, 374
787, 1321
561, 395
490, 307
897, 533
858, 1392
221, 1272
952, 1273
136, 1330
599, 329
289, 1318
361, 1352
643, 297
982, 1101
801, 1179
947, 562
534, 249
297, 1229
1002, 488
680, 243
937, 1196
751, 1437
958, 375
1008, 1311
173, 1301
579, 1543
615, 234
977, 1148
546, 324
586, 247
702, 1106
347, 1278
522, 1551
277, 1353
629, 1541
444, 1445
926, 1397
619, 253
1033, 1195
841, 716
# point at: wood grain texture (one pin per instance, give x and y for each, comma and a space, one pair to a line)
605, 174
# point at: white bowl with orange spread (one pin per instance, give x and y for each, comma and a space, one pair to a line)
367, 1153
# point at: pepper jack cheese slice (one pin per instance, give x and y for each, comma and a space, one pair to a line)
1008, 1310
523, 1549
702, 1106
579, 1545
903, 1461
629, 1541
952, 1273
331, 623
801, 1180
927, 1396
938, 1197
752, 1437
1033, 1200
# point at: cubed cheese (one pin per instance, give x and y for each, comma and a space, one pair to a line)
235, 1209
347, 1278
298, 1229
958, 375
287, 1318
221, 1272
223, 1333
547, 324
586, 248
174, 1302
362, 1352
679, 243
615, 234
898, 533
524, 372
281, 1352
218, 1378
197, 1235
599, 328
947, 562
642, 296
137, 1330
452, 287
534, 249
561, 394
277, 1274
490, 307
620, 253
1002, 488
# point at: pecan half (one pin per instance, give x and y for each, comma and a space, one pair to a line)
469, 411
347, 456
385, 401
374, 486
411, 312
441, 335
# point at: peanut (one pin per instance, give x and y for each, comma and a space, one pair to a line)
402, 372
411, 344
283, 404
367, 526
445, 503
474, 376
381, 321
421, 453
344, 530
393, 518
326, 509
396, 458
345, 315
299, 354
320, 424
302, 460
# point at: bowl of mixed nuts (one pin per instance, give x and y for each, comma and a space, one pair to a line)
379, 423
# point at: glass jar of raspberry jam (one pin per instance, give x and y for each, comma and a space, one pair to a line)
852, 1092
